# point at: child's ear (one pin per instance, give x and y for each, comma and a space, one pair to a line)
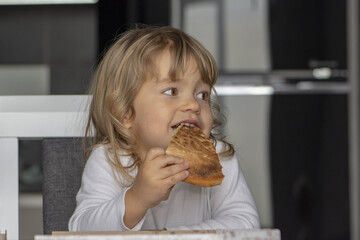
128, 119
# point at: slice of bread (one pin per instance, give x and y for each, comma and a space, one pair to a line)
196, 148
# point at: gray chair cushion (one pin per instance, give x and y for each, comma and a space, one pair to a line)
63, 164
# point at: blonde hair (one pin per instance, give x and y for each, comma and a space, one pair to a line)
118, 78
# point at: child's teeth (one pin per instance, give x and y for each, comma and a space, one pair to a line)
188, 124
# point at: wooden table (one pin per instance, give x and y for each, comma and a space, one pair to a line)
254, 234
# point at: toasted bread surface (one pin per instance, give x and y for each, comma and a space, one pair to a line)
196, 148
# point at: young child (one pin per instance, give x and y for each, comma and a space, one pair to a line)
151, 80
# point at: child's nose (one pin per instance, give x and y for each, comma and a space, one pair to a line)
191, 103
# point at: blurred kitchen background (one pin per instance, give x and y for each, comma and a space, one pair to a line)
283, 85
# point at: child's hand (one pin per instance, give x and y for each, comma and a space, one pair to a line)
156, 177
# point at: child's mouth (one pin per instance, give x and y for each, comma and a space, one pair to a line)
186, 124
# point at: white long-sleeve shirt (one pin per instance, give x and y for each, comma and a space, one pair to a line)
101, 202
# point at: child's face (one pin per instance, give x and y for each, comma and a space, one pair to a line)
162, 104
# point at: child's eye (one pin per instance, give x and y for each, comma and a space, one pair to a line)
203, 96
171, 91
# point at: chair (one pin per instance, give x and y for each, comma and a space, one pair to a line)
63, 164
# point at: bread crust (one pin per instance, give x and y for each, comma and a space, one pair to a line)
196, 148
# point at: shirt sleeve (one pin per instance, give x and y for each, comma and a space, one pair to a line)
232, 205
100, 200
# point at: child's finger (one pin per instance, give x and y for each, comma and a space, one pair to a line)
159, 159
167, 160
173, 169
174, 179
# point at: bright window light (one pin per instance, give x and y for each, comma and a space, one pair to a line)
243, 90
